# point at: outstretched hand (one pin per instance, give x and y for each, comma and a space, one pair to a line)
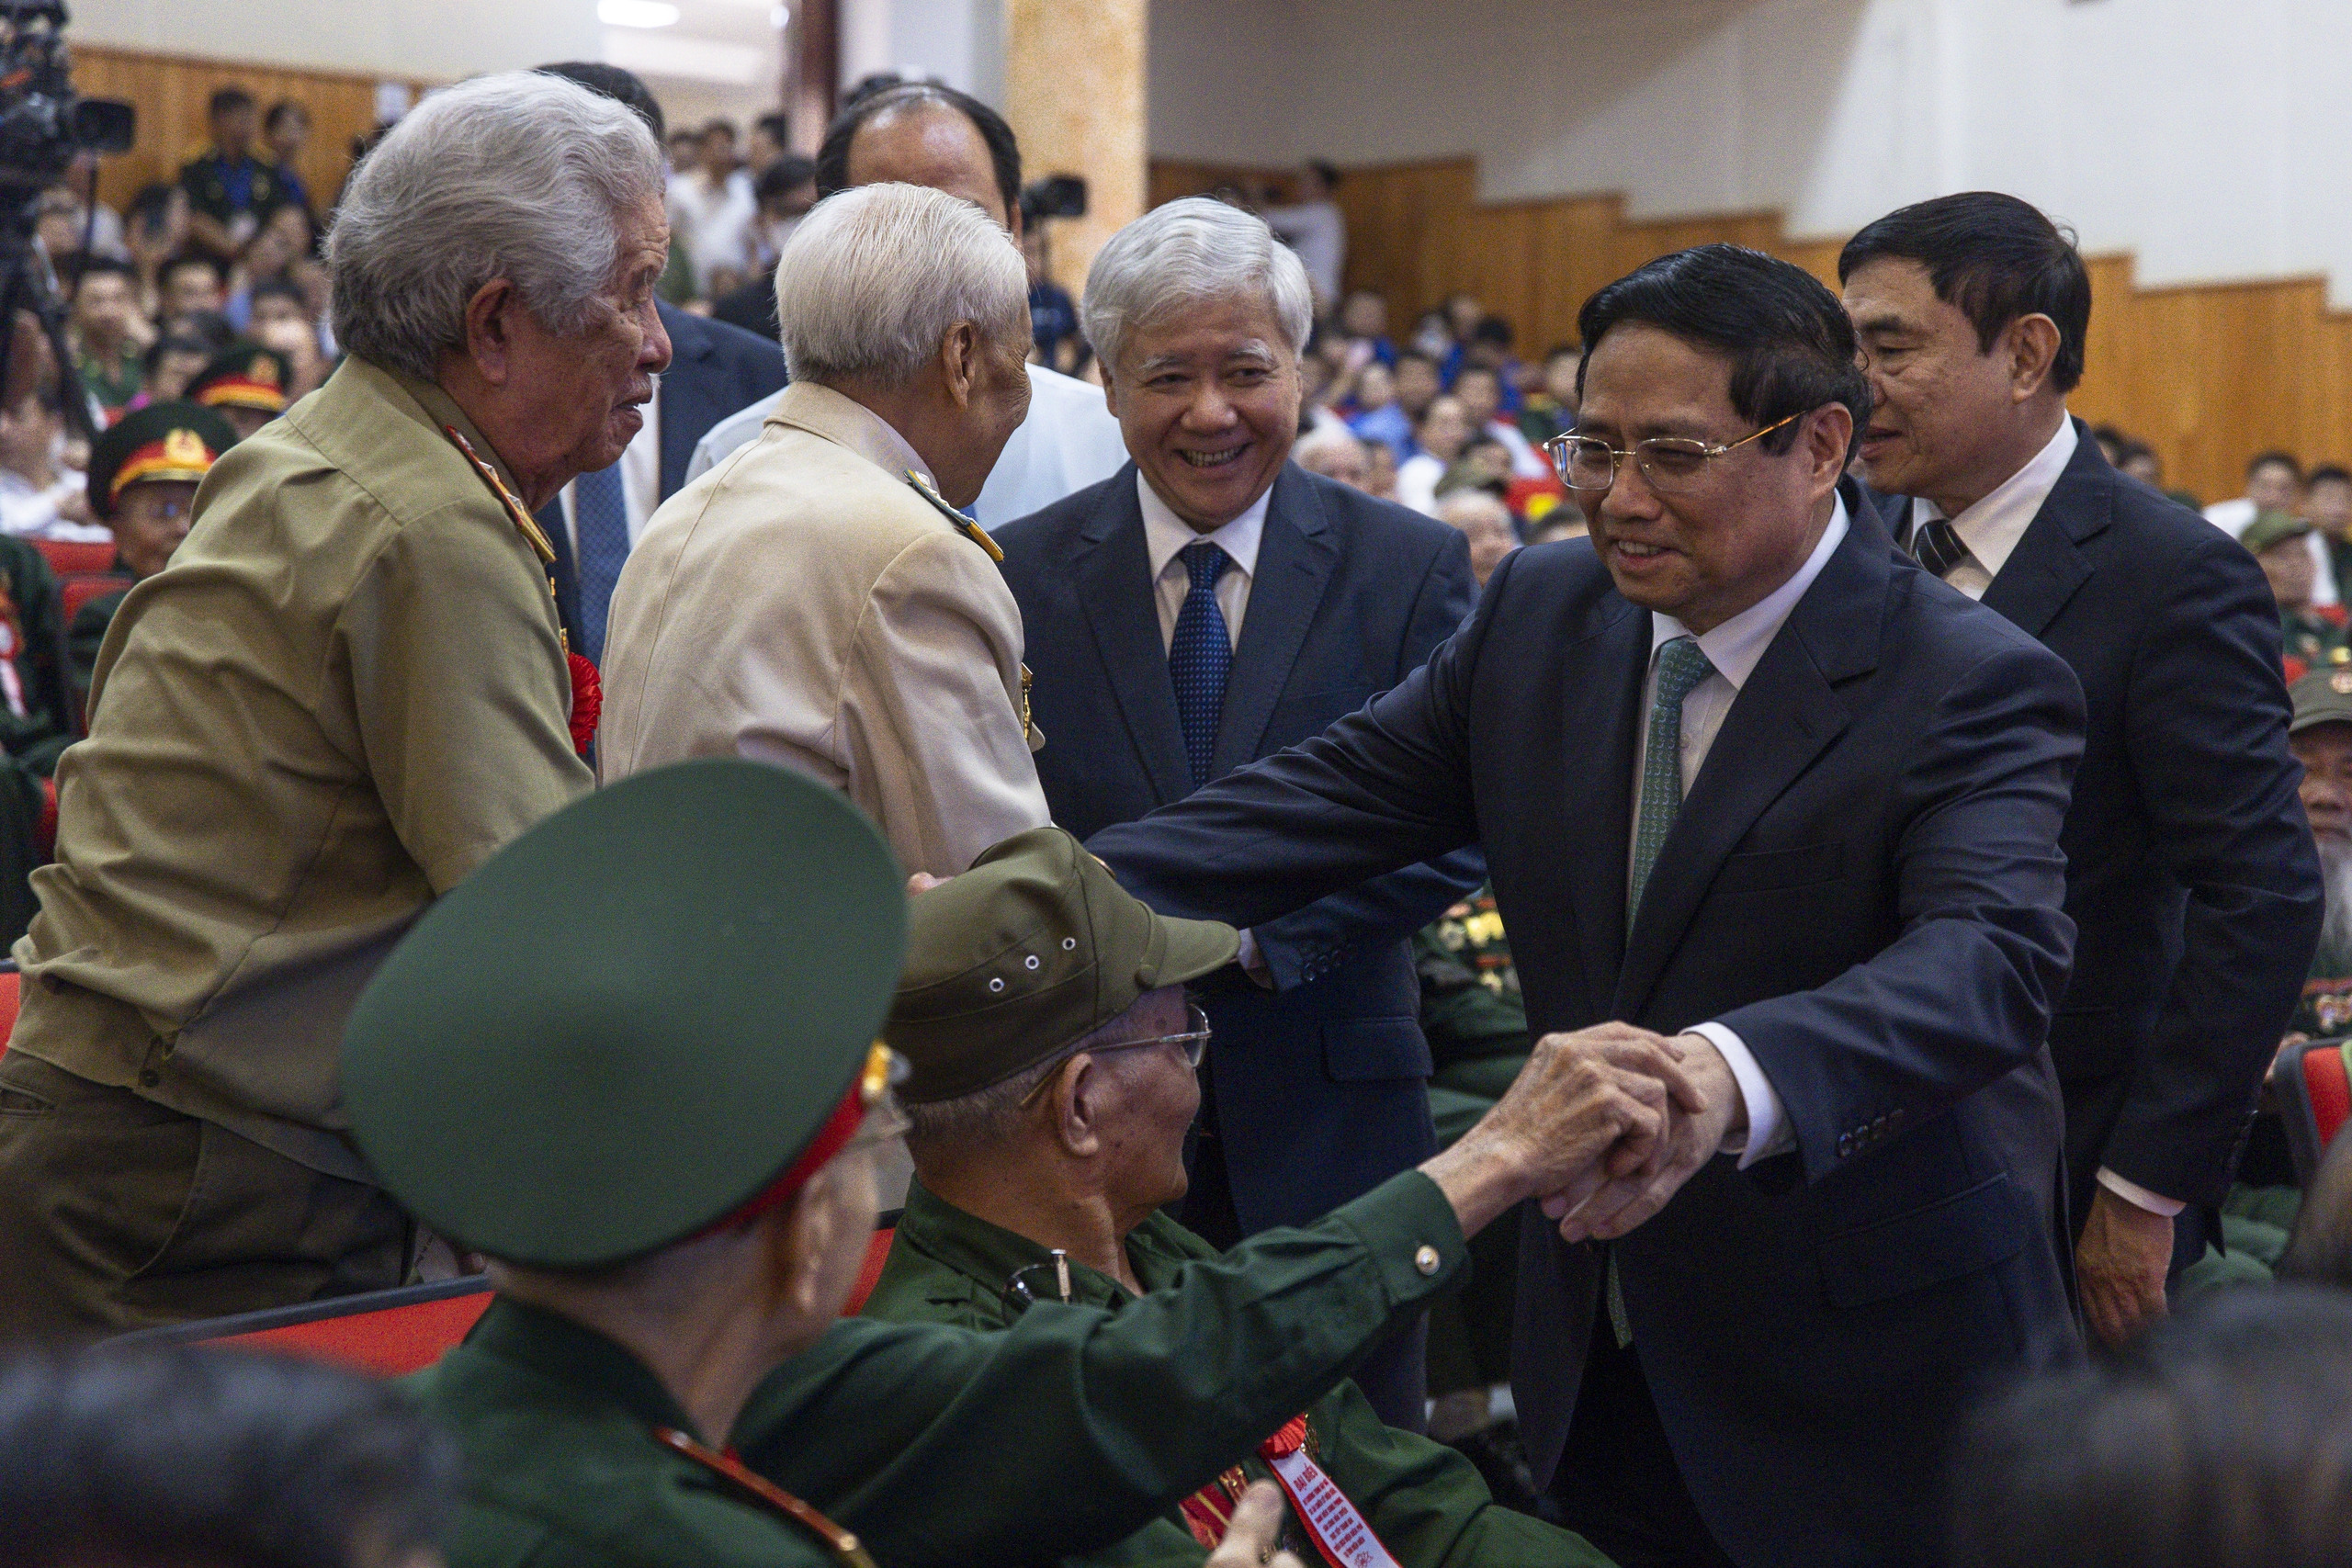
1618, 1194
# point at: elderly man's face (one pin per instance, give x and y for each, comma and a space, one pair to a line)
577, 400
2291, 571
929, 144
1345, 461
2273, 487
1731, 532
1155, 1095
1485, 524
2325, 752
1209, 403
149, 520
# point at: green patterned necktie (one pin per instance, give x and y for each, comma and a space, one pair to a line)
1680, 668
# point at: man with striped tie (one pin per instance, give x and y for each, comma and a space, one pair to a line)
1212, 603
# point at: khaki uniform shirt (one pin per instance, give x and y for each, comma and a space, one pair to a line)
803, 604
938, 1446
1426, 1504
346, 690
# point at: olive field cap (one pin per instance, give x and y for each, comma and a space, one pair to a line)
629, 1021
1033, 948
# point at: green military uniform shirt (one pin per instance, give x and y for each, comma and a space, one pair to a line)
2309, 635
1471, 1011
346, 691
207, 179
1425, 1502
939, 1448
83, 637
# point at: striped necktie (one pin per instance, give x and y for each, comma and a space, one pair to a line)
1937, 546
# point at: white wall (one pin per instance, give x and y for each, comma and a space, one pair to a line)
960, 42
433, 39
2207, 137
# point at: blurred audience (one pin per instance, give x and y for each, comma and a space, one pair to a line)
1312, 224
287, 129
2310, 634
712, 212
1443, 431
109, 335
1485, 522
1336, 454
230, 190
40, 498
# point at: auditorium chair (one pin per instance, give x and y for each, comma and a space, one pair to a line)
75, 588
2313, 1085
390, 1334
10, 980
66, 557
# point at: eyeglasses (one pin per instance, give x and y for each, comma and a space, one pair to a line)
1668, 463
1195, 1042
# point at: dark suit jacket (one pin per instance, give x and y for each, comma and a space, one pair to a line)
2190, 874
715, 369
1320, 1086
1863, 883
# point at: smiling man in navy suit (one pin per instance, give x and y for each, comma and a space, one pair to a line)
2189, 870
1211, 604
1753, 783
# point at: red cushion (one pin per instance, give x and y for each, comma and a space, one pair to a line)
2330, 1086
64, 557
76, 589
9, 981
391, 1343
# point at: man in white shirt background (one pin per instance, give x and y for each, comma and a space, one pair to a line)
921, 133
2189, 873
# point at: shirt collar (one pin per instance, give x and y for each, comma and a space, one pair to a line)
1165, 533
843, 420
988, 1256
574, 1356
1991, 527
1735, 646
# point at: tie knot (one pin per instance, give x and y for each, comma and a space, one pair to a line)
1681, 666
1206, 561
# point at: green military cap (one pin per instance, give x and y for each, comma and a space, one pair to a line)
174, 441
2272, 528
244, 375
633, 1019
2324, 696
1031, 948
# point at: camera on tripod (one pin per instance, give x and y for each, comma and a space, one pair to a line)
43, 123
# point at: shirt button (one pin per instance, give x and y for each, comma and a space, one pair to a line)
1427, 1260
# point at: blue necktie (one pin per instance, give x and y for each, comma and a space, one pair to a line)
1200, 656
600, 519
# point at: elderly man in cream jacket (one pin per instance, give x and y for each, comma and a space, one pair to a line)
816, 600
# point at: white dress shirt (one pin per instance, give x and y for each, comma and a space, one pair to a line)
1165, 536
1991, 530
1734, 649
640, 467
1068, 441
1991, 527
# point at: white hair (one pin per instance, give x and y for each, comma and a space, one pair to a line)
1327, 438
1459, 506
519, 175
875, 278
1191, 253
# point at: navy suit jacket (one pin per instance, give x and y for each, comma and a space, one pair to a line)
1319, 1085
1864, 883
715, 370
2191, 873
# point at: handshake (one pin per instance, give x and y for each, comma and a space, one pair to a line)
1603, 1125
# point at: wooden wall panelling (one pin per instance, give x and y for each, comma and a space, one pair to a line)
171, 92
2206, 374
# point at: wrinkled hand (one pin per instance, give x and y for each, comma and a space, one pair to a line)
1249, 1536
2120, 1265
1613, 1198
1602, 1099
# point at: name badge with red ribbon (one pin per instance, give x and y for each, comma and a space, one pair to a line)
1340, 1532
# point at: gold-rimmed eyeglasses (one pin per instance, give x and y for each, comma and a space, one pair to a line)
1668, 463
1194, 1040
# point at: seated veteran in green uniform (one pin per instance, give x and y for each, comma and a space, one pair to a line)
2309, 633
349, 688
1049, 1108
245, 383
143, 472
658, 1116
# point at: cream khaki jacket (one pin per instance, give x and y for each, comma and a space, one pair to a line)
804, 603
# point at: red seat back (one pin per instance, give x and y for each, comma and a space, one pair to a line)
64, 557
389, 1342
2327, 1078
878, 1253
2313, 1085
10, 982
75, 588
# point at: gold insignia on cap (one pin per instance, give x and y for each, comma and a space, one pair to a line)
2341, 683
264, 369
186, 448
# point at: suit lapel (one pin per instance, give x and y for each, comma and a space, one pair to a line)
2047, 564
1600, 721
1785, 716
1113, 570
1297, 552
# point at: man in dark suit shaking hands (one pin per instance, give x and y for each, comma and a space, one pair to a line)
2190, 876
1749, 781
1211, 604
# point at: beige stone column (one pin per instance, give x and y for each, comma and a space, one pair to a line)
1074, 92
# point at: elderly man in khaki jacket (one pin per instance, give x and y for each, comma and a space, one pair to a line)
346, 691
816, 600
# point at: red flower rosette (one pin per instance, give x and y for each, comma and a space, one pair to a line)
587, 702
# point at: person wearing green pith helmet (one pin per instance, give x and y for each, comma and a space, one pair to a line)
1049, 1106
657, 1120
